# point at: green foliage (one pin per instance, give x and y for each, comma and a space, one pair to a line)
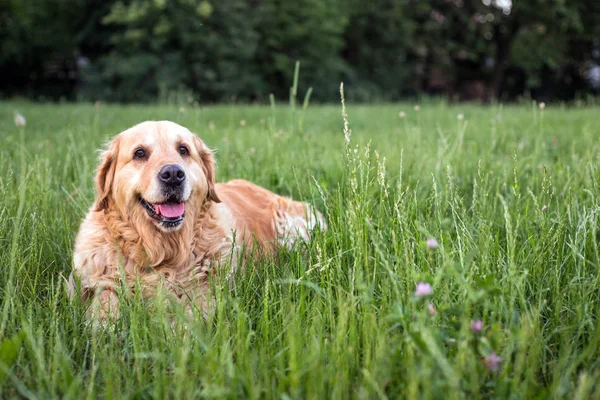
309, 31
219, 49
168, 46
214, 51
9, 350
481, 41
378, 41
37, 41
509, 193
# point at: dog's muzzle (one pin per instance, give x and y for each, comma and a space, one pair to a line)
169, 213
171, 175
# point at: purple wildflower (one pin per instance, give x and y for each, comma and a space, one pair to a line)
423, 289
492, 361
432, 243
476, 326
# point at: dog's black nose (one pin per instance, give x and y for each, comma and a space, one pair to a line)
171, 174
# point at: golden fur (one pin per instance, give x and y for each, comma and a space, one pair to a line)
118, 242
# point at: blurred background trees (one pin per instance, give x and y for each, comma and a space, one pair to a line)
210, 51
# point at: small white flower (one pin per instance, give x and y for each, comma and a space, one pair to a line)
182, 109
243, 122
416, 107
279, 134
402, 114
544, 208
542, 105
20, 120
460, 117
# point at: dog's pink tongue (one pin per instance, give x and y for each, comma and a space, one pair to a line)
171, 210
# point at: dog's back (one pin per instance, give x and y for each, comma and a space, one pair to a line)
272, 220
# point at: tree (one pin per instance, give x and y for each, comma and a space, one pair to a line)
377, 43
139, 50
482, 39
165, 46
545, 24
309, 31
38, 47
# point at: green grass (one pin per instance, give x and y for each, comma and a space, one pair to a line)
510, 194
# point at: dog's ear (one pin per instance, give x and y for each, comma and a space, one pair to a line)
106, 174
208, 166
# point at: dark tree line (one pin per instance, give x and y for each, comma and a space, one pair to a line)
216, 50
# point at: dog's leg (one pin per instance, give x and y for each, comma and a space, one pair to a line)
104, 307
295, 221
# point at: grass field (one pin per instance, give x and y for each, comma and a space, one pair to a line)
509, 194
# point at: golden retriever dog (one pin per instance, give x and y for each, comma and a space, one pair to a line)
159, 219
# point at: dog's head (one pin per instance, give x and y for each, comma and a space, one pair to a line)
158, 170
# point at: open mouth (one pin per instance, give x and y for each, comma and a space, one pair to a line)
169, 214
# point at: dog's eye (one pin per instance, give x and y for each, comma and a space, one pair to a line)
139, 154
184, 151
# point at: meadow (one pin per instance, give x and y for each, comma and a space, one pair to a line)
461, 259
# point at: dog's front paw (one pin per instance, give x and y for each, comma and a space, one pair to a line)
104, 308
